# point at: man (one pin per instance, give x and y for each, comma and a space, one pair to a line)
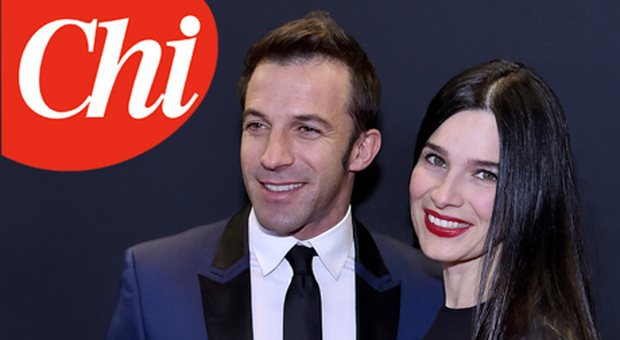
310, 100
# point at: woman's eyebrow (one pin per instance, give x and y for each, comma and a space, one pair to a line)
438, 149
483, 163
474, 162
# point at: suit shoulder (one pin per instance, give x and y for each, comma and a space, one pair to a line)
398, 255
187, 244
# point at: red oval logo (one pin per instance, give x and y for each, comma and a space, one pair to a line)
87, 84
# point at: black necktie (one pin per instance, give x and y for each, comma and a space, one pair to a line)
302, 306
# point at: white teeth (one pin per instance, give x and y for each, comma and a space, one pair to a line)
446, 224
279, 188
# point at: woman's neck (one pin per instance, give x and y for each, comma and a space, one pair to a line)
462, 283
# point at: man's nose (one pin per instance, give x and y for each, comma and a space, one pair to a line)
278, 151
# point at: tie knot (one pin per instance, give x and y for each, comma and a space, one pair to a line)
300, 259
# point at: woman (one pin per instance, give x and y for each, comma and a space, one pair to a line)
493, 197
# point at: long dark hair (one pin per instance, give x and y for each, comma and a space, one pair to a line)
534, 274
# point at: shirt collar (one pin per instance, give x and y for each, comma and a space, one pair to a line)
333, 246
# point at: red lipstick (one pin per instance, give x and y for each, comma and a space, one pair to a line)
444, 232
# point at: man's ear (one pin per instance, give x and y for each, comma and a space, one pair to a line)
364, 150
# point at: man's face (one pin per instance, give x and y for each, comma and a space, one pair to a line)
295, 133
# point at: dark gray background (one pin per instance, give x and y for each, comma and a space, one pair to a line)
63, 234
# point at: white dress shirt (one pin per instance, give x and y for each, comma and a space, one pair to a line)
334, 270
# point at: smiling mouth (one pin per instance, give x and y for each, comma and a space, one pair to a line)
282, 188
445, 227
446, 224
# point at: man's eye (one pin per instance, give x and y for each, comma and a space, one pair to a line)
254, 126
309, 130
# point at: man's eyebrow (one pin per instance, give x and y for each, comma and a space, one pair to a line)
312, 118
307, 117
252, 112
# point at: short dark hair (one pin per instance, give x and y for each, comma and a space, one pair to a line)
318, 36
539, 279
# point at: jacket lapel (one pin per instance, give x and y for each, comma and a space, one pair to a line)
225, 287
377, 293
226, 292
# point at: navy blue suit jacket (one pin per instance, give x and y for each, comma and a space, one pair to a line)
196, 286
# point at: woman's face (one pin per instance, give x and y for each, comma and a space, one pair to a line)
452, 187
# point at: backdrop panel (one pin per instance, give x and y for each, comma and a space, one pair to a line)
63, 234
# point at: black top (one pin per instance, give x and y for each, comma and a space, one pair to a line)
453, 324
457, 324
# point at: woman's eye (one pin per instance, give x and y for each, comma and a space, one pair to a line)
486, 176
435, 160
